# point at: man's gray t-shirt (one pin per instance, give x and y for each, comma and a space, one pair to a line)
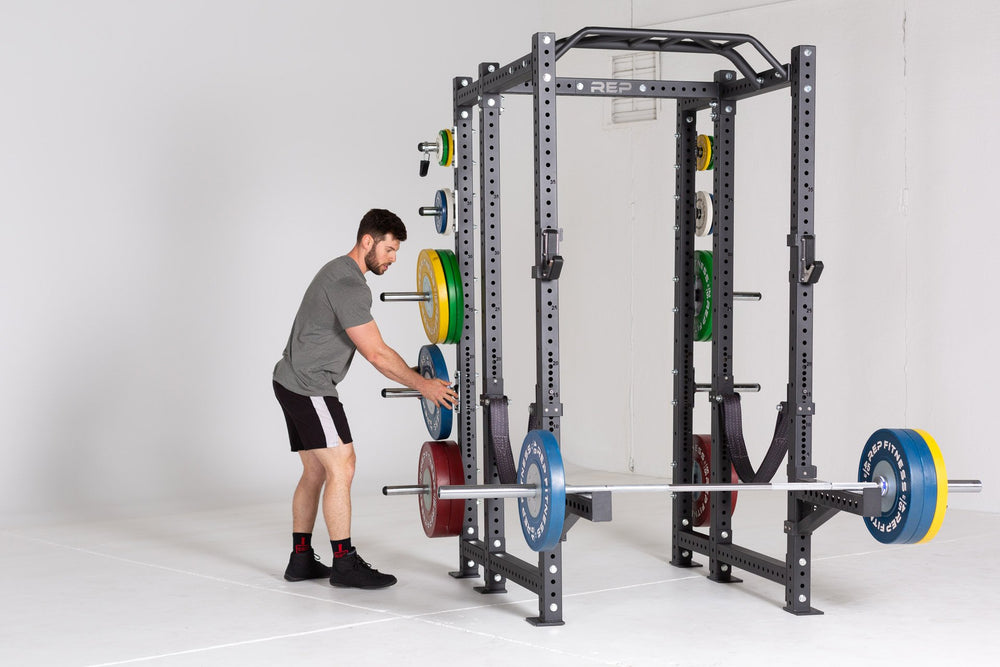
319, 351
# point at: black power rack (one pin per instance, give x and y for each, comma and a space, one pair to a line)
535, 75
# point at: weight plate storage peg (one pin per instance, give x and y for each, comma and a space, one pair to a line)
703, 212
701, 504
702, 295
705, 152
543, 514
437, 419
431, 281
440, 465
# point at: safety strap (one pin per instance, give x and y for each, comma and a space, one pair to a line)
732, 426
499, 432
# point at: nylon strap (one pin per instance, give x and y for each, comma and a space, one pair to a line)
732, 426
499, 432
534, 423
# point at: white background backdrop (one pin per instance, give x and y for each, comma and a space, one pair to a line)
173, 174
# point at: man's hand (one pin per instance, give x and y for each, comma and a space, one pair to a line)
438, 392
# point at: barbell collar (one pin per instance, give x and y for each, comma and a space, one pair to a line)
404, 296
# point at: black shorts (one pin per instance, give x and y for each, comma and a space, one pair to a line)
314, 422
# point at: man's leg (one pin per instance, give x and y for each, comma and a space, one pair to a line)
305, 502
349, 569
303, 563
337, 464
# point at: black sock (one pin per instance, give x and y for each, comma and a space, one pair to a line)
341, 547
302, 542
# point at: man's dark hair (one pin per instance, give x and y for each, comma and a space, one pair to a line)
378, 222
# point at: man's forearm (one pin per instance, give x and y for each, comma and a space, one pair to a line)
390, 364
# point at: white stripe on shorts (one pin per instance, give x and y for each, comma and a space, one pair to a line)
326, 421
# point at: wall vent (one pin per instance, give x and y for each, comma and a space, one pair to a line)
639, 65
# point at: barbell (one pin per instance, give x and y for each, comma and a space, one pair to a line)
905, 465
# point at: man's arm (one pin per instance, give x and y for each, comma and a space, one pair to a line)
368, 339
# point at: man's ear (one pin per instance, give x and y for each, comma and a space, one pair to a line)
367, 242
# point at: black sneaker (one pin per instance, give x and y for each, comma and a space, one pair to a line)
305, 565
351, 571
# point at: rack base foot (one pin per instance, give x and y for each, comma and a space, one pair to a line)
459, 574
537, 621
486, 590
805, 612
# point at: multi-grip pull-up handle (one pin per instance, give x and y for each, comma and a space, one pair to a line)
722, 44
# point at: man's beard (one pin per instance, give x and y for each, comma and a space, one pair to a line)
372, 265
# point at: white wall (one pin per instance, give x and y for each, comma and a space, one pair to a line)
175, 173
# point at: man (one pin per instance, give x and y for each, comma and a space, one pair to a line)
333, 321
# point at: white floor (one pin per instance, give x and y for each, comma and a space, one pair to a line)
207, 589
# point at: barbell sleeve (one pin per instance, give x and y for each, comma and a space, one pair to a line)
413, 490
430, 210
746, 296
400, 392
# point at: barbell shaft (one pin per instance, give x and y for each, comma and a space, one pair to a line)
702, 386
405, 296
485, 491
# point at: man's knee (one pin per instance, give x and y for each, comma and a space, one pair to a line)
339, 462
313, 472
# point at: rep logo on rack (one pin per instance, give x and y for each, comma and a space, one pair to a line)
611, 87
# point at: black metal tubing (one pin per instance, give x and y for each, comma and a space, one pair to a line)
630, 39
723, 325
517, 72
534, 74
800, 329
866, 503
731, 555
683, 371
513, 568
594, 507
590, 87
548, 399
466, 348
492, 323
765, 82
